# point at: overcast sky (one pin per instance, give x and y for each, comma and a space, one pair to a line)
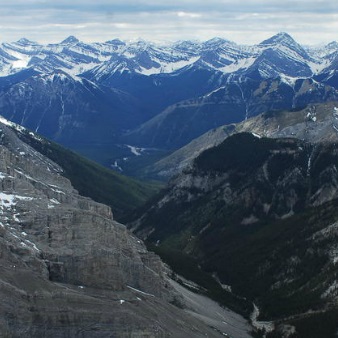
242, 21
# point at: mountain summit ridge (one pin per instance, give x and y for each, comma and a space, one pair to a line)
162, 53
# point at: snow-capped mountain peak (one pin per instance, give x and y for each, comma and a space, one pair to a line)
26, 42
332, 45
284, 40
149, 58
218, 42
280, 38
70, 40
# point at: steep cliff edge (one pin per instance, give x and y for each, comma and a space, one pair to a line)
67, 268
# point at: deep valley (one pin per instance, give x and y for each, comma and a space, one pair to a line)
186, 189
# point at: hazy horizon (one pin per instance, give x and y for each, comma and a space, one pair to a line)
248, 22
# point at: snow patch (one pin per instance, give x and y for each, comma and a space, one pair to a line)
238, 64
291, 81
8, 200
316, 68
116, 166
215, 91
135, 150
53, 203
25, 175
169, 67
56, 190
15, 218
33, 245
11, 124
256, 135
35, 136
20, 63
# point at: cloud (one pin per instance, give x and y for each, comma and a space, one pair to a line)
247, 21
188, 15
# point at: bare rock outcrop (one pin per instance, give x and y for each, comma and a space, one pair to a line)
67, 268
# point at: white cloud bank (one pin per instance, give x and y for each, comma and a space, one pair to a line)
247, 21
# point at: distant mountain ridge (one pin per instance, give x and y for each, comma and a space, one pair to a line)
182, 122
315, 123
101, 98
149, 58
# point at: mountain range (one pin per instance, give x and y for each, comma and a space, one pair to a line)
101, 99
246, 137
102, 60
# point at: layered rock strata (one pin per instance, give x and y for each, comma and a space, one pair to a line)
67, 268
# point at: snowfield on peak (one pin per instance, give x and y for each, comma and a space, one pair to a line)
149, 58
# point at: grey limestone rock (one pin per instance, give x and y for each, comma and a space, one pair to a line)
67, 268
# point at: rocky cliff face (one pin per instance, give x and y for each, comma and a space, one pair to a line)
67, 268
